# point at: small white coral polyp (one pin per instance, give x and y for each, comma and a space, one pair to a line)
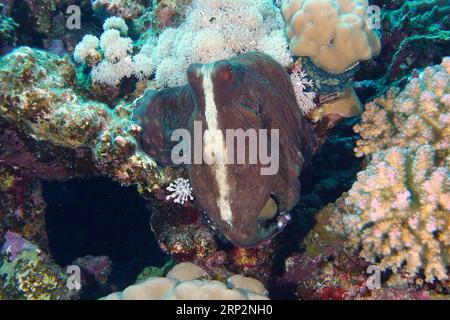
181, 191
215, 30
300, 84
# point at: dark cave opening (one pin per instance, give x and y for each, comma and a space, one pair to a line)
96, 217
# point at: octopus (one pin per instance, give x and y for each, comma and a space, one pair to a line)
249, 92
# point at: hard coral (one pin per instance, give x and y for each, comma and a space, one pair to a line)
186, 281
398, 209
28, 273
406, 28
415, 116
126, 9
333, 33
117, 63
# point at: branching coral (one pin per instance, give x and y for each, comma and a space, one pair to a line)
415, 116
398, 210
36, 94
216, 30
333, 33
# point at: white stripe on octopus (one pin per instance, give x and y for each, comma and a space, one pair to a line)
215, 151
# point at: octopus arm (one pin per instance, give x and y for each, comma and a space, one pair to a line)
159, 113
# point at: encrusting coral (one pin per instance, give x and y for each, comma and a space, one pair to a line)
126, 9
37, 96
334, 34
398, 210
187, 281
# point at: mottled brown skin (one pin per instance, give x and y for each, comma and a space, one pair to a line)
250, 91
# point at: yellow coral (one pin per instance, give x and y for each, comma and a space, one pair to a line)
187, 281
333, 33
6, 181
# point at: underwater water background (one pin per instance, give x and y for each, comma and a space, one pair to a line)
90, 92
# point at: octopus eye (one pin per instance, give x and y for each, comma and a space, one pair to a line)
194, 74
223, 71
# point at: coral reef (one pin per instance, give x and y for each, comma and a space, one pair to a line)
7, 28
169, 13
99, 268
415, 116
407, 27
397, 211
116, 63
327, 269
21, 205
187, 281
28, 273
334, 34
301, 84
126, 9
215, 30
38, 97
61, 120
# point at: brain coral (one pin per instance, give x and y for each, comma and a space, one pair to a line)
187, 281
397, 212
333, 33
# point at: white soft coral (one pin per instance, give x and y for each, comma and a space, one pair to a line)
118, 63
181, 191
300, 83
216, 30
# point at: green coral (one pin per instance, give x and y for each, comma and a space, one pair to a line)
31, 276
151, 271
